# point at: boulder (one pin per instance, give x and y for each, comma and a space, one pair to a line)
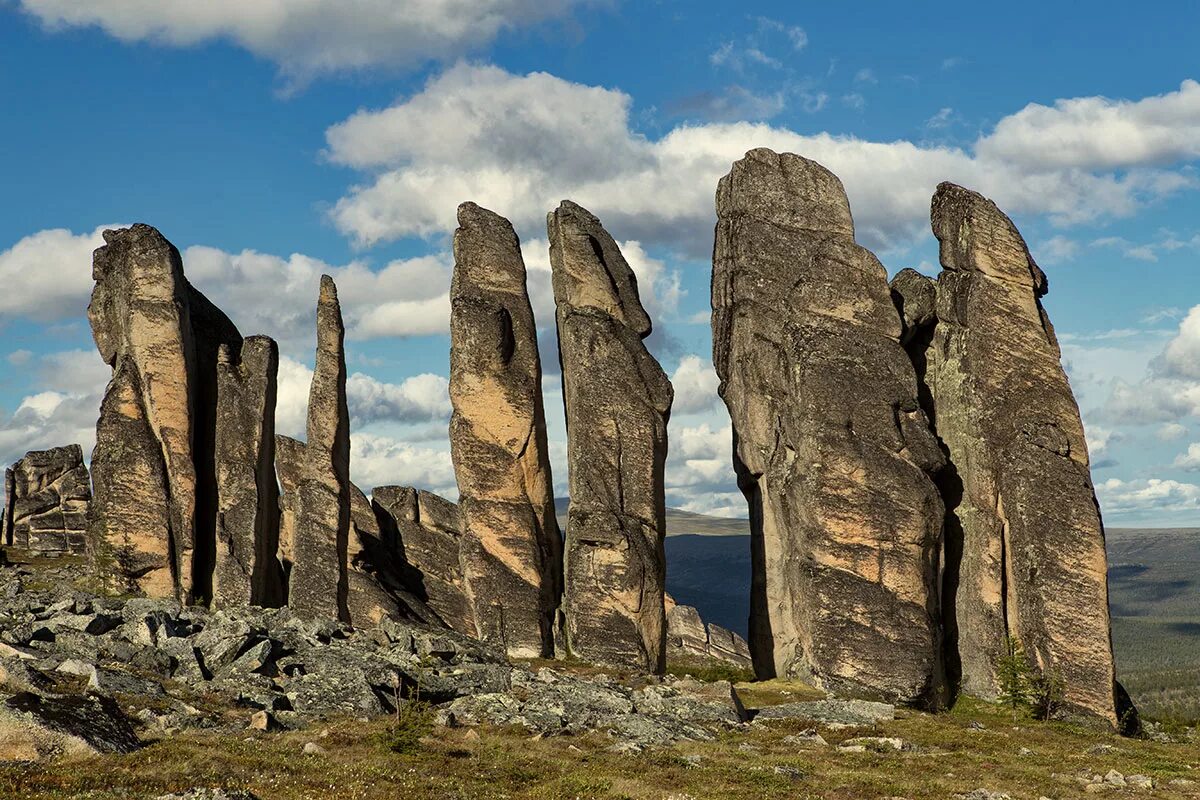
35, 727
152, 522
689, 639
47, 494
510, 547
1024, 556
617, 400
831, 448
424, 529
318, 583
247, 568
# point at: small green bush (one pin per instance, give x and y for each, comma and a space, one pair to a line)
412, 722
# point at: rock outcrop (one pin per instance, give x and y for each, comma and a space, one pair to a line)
152, 525
832, 450
425, 529
47, 494
511, 548
618, 401
318, 581
689, 638
1025, 551
246, 568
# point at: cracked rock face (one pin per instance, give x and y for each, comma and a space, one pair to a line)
510, 548
618, 401
832, 449
153, 518
318, 583
1024, 541
247, 568
47, 494
425, 528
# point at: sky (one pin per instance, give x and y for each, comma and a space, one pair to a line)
276, 141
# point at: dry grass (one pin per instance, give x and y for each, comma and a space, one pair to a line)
949, 757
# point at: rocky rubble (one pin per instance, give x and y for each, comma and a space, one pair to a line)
80, 673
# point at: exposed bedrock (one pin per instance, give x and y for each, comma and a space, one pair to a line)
511, 548
318, 581
247, 568
152, 526
47, 494
1025, 551
618, 401
831, 448
425, 531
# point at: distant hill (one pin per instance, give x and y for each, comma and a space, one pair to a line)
680, 522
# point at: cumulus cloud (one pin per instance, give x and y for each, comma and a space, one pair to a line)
520, 143
1189, 461
1100, 133
383, 461
695, 384
1152, 496
309, 37
47, 276
417, 399
63, 410
1171, 432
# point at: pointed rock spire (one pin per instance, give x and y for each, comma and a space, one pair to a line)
511, 547
318, 583
1025, 556
618, 401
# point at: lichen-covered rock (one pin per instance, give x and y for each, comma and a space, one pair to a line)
425, 529
318, 583
511, 549
618, 401
832, 450
689, 638
247, 566
152, 523
47, 494
1025, 551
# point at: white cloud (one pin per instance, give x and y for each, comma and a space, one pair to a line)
309, 37
695, 384
1100, 133
1182, 356
47, 276
1153, 496
1171, 432
1057, 249
519, 144
19, 358
1189, 461
417, 399
941, 119
383, 461
865, 75
1099, 440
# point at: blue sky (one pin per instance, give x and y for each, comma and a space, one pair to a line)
273, 142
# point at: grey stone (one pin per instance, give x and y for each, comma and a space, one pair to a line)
832, 450
510, 547
152, 520
47, 495
837, 712
318, 581
247, 568
618, 401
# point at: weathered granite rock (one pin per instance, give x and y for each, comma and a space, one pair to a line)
689, 638
247, 566
618, 401
1024, 541
424, 530
511, 549
289, 468
47, 494
831, 448
318, 582
152, 522
34, 728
